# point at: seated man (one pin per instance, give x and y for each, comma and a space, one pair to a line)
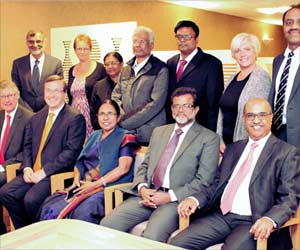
182, 159
13, 119
48, 149
255, 192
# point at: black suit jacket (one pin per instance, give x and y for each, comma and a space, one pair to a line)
63, 143
14, 146
21, 74
274, 186
205, 74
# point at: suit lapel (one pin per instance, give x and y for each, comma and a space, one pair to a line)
264, 156
2, 115
193, 64
295, 85
14, 126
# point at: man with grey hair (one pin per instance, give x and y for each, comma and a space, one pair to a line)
142, 88
30, 72
13, 119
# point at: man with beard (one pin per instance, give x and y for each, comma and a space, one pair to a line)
182, 159
285, 91
30, 72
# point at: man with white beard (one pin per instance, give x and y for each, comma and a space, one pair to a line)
181, 160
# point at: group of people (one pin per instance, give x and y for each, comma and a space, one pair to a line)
253, 124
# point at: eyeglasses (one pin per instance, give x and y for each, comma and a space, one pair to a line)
140, 42
7, 96
260, 116
109, 114
185, 37
111, 63
184, 107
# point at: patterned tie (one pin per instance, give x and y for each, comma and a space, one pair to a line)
180, 69
232, 187
35, 74
280, 98
38, 163
4, 140
159, 173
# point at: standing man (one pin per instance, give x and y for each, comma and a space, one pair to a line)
52, 143
194, 68
182, 159
30, 72
13, 119
285, 91
142, 89
256, 191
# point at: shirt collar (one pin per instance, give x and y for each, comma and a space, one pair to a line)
190, 56
296, 52
185, 128
56, 112
262, 141
12, 114
41, 59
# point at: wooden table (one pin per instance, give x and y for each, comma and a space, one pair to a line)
74, 234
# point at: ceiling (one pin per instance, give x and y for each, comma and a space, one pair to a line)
243, 8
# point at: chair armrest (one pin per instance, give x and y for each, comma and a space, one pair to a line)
184, 222
58, 181
112, 192
11, 171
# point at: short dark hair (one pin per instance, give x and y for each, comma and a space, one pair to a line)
53, 78
187, 23
112, 103
186, 91
294, 6
115, 55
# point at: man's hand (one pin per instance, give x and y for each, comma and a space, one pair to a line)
27, 175
186, 207
38, 176
146, 195
160, 198
262, 229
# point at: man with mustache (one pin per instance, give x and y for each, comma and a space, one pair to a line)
182, 159
285, 92
30, 72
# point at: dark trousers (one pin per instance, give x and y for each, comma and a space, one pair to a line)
2, 224
23, 200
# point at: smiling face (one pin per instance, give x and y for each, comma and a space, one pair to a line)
245, 55
82, 50
291, 28
259, 126
112, 66
107, 117
54, 94
9, 98
141, 45
36, 44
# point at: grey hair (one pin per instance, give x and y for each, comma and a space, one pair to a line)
240, 38
147, 30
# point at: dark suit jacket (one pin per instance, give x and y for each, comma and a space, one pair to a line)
274, 185
63, 143
205, 74
14, 145
293, 111
21, 74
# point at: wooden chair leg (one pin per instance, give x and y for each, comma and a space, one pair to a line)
261, 245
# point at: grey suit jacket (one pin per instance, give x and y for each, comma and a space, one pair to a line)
194, 165
142, 97
33, 98
293, 110
274, 186
14, 146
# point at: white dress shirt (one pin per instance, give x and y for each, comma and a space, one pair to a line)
188, 59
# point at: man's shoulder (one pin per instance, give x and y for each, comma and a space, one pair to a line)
208, 57
22, 59
24, 112
52, 59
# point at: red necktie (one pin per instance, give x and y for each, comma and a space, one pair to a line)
159, 173
4, 139
180, 69
228, 196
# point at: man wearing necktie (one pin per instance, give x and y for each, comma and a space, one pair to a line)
52, 142
13, 119
197, 69
30, 72
182, 159
285, 91
255, 191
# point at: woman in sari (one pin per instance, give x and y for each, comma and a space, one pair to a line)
106, 159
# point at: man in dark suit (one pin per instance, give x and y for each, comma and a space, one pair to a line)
30, 72
189, 167
255, 192
194, 68
285, 90
13, 119
53, 140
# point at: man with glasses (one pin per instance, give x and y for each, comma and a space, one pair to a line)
142, 88
52, 142
29, 72
13, 119
181, 160
255, 191
194, 68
